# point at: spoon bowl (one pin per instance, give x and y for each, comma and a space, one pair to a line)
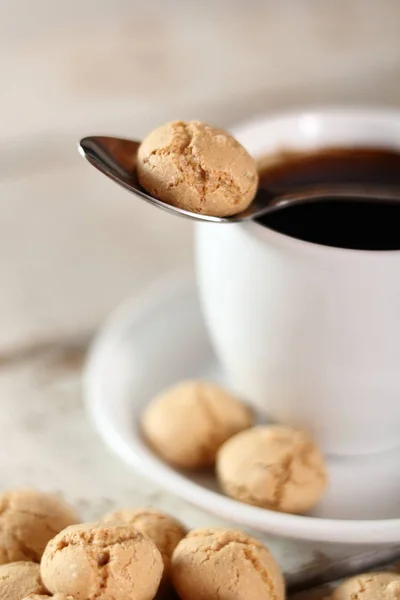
116, 158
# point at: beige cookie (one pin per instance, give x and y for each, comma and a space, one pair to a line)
19, 579
274, 467
162, 529
187, 424
225, 564
28, 520
197, 167
102, 560
369, 586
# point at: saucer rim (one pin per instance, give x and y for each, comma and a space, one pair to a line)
138, 456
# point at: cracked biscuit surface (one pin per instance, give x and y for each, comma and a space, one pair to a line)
274, 467
28, 520
162, 529
369, 586
187, 424
197, 167
225, 564
102, 561
46, 597
18, 579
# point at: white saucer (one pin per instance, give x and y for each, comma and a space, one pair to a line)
159, 339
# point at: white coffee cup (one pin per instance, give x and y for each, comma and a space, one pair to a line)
309, 334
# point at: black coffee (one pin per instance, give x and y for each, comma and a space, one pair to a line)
344, 224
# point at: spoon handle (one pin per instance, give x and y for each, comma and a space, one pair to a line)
333, 570
116, 158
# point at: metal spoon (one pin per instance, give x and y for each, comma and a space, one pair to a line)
116, 158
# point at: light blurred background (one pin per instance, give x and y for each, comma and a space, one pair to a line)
72, 245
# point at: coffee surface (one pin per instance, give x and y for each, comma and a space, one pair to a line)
344, 223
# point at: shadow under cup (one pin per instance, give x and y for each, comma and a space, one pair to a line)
308, 327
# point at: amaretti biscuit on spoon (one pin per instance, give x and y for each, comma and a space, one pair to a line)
196, 167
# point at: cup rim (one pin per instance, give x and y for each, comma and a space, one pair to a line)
359, 113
